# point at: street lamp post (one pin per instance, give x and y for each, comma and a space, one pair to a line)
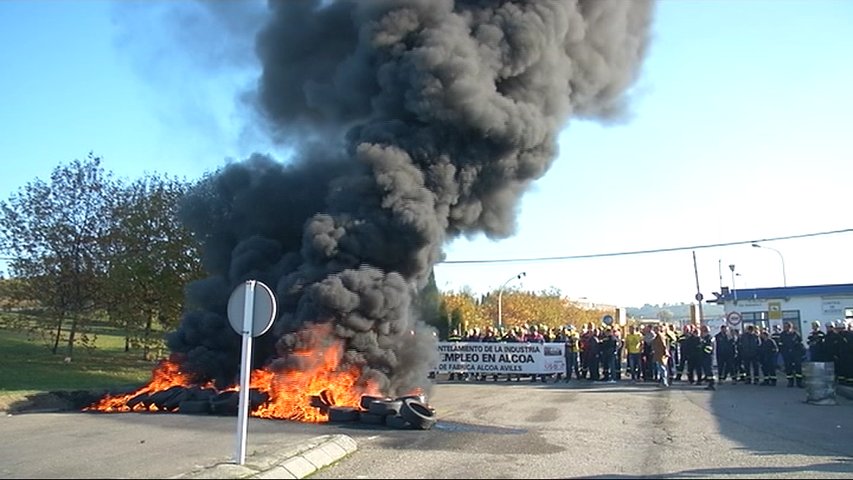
784, 276
734, 289
500, 296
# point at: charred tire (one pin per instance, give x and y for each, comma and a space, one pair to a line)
417, 414
398, 422
385, 407
194, 407
419, 398
343, 414
226, 404
366, 400
168, 399
372, 419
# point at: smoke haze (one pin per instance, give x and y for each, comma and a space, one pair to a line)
412, 122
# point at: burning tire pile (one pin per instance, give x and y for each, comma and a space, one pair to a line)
193, 401
407, 412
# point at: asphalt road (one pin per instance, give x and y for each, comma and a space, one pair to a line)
130, 445
614, 431
484, 430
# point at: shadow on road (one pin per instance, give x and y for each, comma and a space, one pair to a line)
841, 465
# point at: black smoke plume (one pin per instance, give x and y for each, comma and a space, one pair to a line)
411, 122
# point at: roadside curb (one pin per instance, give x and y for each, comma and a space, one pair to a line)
295, 462
845, 391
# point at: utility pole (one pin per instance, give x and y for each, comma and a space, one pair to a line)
698, 291
720, 268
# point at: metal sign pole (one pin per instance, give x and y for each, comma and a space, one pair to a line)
245, 372
251, 312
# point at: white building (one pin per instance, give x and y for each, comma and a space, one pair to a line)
766, 307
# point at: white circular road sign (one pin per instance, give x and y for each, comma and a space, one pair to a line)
733, 318
263, 312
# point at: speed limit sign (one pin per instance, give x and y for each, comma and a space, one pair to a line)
733, 318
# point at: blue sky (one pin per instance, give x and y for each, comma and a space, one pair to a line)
738, 131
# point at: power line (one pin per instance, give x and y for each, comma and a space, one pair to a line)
641, 252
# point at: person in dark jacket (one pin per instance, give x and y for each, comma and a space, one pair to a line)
607, 353
535, 335
583, 352
844, 364
724, 349
620, 354
454, 337
833, 347
692, 354
572, 340
490, 336
647, 361
748, 349
767, 353
776, 335
680, 357
706, 355
591, 351
737, 374
513, 335
792, 350
816, 344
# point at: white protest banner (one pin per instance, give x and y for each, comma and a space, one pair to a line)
497, 358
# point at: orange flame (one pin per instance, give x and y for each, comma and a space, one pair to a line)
166, 375
289, 392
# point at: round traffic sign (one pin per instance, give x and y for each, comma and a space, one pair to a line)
733, 318
699, 297
263, 311
607, 319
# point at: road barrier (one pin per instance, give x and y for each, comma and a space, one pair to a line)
820, 382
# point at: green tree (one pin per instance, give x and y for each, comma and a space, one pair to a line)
55, 234
428, 306
549, 308
12, 296
516, 308
152, 257
461, 310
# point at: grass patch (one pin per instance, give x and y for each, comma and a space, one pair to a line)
27, 366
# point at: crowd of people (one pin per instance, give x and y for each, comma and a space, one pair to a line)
663, 354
